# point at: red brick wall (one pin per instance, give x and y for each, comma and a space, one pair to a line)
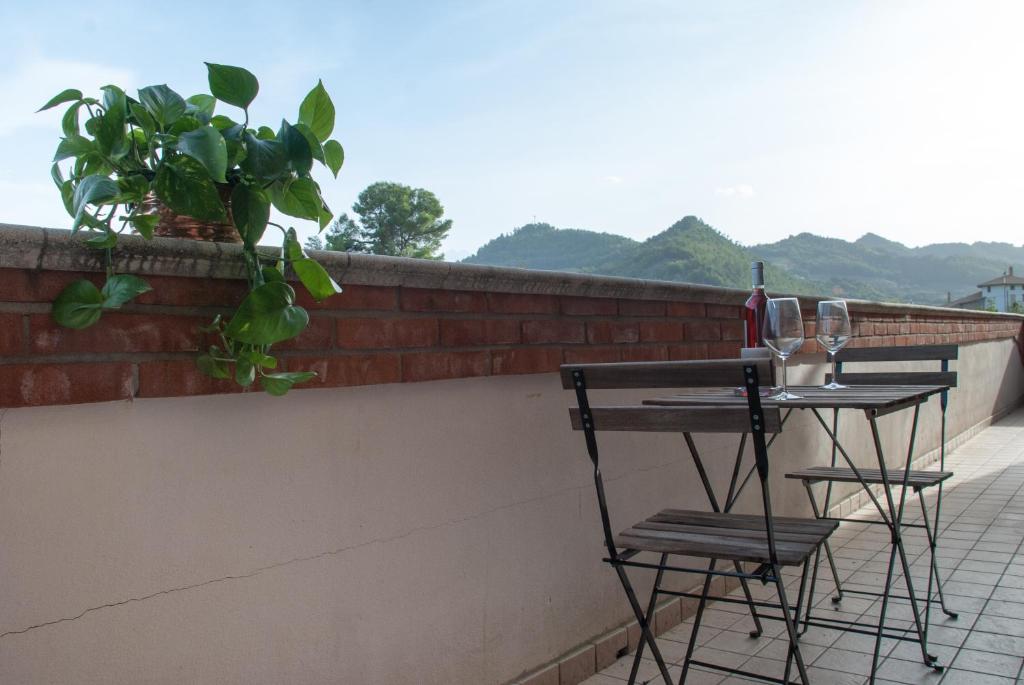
382, 334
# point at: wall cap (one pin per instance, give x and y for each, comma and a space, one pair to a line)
51, 249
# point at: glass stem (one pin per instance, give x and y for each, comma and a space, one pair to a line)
785, 387
835, 380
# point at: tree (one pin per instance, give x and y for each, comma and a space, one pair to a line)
394, 219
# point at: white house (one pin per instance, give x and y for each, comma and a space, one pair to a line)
1004, 292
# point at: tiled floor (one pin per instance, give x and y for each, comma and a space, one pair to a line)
981, 555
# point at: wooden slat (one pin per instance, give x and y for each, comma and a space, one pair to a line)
715, 373
745, 521
898, 354
676, 419
780, 536
947, 378
712, 546
874, 398
917, 479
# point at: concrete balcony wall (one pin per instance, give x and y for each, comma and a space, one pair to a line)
383, 531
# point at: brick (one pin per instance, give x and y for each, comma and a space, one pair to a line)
577, 667
429, 366
509, 303
354, 298
386, 334
319, 335
695, 310
426, 300
608, 649
642, 308
11, 343
553, 331
661, 331
688, 351
468, 332
724, 350
591, 354
644, 353
523, 360
349, 369
179, 377
32, 385
703, 330
117, 332
20, 285
723, 311
177, 291
589, 306
612, 332
732, 330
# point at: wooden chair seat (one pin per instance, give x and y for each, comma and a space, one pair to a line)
917, 479
733, 537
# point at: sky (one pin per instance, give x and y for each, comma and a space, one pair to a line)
904, 119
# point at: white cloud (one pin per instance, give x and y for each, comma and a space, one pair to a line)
742, 191
614, 180
37, 81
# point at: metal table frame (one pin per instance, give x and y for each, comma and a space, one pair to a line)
874, 401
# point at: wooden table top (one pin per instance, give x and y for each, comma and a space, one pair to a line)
876, 398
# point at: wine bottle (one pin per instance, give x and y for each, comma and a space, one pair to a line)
753, 309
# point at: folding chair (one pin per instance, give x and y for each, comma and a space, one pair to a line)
917, 480
762, 541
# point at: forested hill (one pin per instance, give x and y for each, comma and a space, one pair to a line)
690, 251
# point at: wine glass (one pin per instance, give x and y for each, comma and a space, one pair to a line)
833, 330
784, 334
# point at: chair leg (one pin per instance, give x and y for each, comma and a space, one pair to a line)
645, 629
758, 628
650, 615
799, 604
794, 644
696, 624
933, 573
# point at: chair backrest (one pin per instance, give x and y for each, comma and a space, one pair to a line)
940, 353
717, 373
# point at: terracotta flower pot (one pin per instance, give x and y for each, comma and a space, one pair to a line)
173, 225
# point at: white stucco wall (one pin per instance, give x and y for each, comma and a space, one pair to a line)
423, 533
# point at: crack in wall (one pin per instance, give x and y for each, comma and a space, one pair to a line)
313, 557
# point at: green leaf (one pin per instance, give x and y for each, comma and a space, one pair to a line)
212, 367
222, 123
272, 275
298, 197
264, 159
207, 146
250, 211
91, 190
78, 306
69, 122
317, 112
103, 241
67, 196
60, 98
233, 85
245, 372
278, 384
56, 175
315, 278
267, 315
314, 144
164, 104
73, 146
300, 156
184, 124
203, 103
334, 156
122, 288
291, 248
266, 133
143, 118
145, 224
110, 130
184, 185
132, 189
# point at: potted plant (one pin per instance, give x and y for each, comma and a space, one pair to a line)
161, 164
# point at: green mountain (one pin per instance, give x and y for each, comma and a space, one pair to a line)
690, 251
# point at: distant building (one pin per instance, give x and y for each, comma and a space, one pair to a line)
1005, 293
972, 301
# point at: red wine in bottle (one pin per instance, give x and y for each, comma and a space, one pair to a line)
753, 309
